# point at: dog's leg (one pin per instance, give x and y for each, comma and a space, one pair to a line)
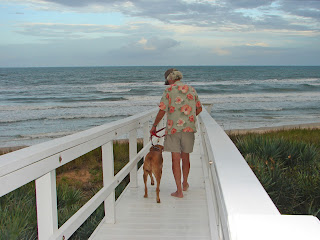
158, 178
152, 180
145, 178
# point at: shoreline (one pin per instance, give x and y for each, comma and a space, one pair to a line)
274, 129
4, 150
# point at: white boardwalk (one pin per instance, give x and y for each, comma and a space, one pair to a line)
225, 199
173, 219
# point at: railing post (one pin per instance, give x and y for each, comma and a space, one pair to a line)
146, 133
46, 196
208, 106
132, 154
108, 175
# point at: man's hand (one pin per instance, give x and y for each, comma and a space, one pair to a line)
153, 130
159, 116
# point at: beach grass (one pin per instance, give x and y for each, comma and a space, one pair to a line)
77, 182
287, 163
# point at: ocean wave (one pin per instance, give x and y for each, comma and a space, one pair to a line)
78, 98
145, 98
222, 83
36, 107
269, 110
300, 81
265, 95
43, 135
102, 99
73, 117
63, 100
297, 88
114, 90
273, 109
292, 80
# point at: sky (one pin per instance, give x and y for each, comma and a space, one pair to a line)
40, 33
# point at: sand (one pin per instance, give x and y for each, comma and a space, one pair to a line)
5, 150
271, 129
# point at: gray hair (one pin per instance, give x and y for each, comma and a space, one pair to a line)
174, 75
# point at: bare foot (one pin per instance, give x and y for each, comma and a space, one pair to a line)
185, 187
176, 194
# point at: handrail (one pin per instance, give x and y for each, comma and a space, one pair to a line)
238, 205
15, 166
39, 162
241, 206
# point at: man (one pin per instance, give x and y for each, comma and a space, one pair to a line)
181, 103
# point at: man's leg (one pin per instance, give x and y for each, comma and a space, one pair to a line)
176, 169
185, 169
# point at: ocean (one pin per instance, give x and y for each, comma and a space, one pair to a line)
40, 104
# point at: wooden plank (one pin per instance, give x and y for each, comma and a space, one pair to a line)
279, 227
174, 218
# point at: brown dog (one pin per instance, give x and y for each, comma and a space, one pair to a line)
153, 165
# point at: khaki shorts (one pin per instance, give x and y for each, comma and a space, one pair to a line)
179, 142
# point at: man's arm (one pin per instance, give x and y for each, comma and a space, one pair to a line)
159, 116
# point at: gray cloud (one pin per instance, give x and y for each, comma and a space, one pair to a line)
249, 3
80, 3
304, 8
153, 46
214, 14
95, 52
90, 52
139, 43
65, 31
56, 31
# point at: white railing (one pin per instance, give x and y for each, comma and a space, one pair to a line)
39, 163
239, 207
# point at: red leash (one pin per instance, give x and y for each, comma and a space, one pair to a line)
155, 134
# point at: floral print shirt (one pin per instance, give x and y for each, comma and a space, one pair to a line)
180, 102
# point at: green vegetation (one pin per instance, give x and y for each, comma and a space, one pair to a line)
77, 182
287, 163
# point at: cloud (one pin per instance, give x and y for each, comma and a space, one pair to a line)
260, 44
173, 32
103, 52
153, 44
64, 31
306, 8
249, 3
150, 51
223, 15
54, 31
221, 52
